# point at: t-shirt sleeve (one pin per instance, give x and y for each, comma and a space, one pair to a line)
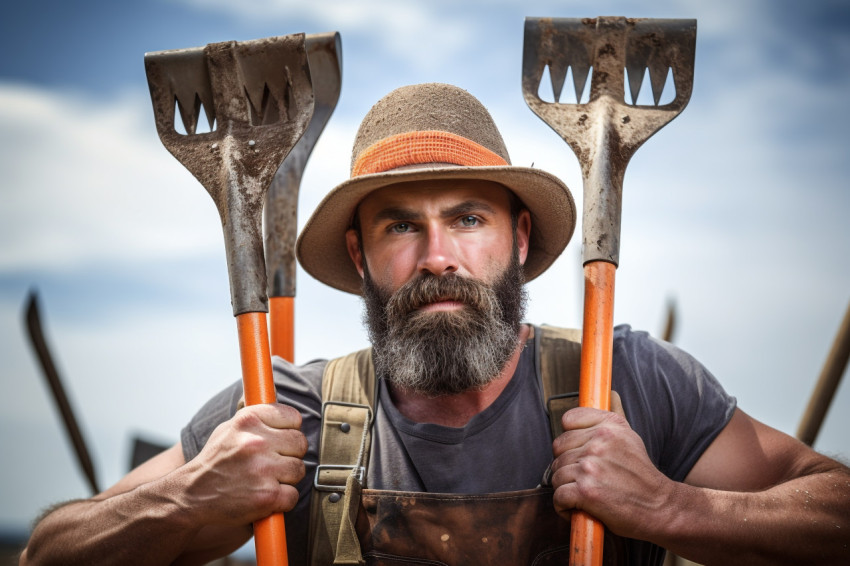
296, 386
220, 408
671, 400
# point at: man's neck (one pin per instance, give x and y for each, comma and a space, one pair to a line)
457, 410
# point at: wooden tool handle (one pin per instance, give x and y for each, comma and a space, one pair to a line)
258, 385
282, 327
827, 383
587, 534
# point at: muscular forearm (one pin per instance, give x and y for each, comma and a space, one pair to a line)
803, 521
168, 510
144, 526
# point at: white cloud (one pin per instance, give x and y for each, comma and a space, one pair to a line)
88, 181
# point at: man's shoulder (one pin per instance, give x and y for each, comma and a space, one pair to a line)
281, 365
323, 379
640, 343
640, 347
304, 378
623, 333
630, 346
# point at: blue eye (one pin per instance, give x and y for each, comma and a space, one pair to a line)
469, 221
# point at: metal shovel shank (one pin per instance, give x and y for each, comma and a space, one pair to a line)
604, 133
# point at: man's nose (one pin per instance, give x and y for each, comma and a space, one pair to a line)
438, 255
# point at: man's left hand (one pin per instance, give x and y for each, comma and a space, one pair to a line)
601, 466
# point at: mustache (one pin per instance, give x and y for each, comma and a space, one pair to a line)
428, 288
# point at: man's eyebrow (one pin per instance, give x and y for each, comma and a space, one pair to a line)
467, 207
396, 213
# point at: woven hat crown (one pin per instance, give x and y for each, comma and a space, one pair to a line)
428, 107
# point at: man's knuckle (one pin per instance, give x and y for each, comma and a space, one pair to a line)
617, 419
245, 419
600, 437
303, 445
590, 492
558, 445
290, 414
293, 470
562, 499
588, 467
288, 497
593, 449
268, 498
295, 415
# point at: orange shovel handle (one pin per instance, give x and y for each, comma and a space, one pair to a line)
282, 327
587, 534
258, 384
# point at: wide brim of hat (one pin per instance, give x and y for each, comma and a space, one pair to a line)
321, 247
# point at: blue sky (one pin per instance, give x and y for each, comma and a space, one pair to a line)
737, 209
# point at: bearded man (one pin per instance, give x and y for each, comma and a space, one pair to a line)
439, 233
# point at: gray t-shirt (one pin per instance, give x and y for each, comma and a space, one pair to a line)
674, 404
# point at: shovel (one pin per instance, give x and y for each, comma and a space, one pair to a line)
324, 53
258, 100
604, 133
827, 384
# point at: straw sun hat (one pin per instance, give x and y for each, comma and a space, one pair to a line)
424, 132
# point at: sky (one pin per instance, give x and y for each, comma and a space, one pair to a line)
735, 212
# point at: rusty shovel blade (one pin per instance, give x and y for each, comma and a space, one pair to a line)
258, 99
606, 130
324, 53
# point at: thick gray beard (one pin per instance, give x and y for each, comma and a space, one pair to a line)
445, 352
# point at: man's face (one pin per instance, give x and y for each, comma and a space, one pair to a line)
445, 314
460, 227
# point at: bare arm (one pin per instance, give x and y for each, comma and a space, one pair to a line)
755, 496
779, 501
170, 511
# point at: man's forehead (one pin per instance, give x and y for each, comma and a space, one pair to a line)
441, 193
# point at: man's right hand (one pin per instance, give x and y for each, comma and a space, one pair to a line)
249, 467
168, 510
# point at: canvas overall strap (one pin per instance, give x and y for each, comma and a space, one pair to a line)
558, 362
349, 390
348, 393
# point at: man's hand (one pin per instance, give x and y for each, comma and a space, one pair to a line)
189, 513
249, 467
601, 466
755, 496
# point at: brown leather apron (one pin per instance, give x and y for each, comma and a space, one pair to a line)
515, 528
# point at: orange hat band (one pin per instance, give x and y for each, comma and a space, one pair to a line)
414, 148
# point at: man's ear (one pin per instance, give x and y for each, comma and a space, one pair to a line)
523, 234
355, 251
